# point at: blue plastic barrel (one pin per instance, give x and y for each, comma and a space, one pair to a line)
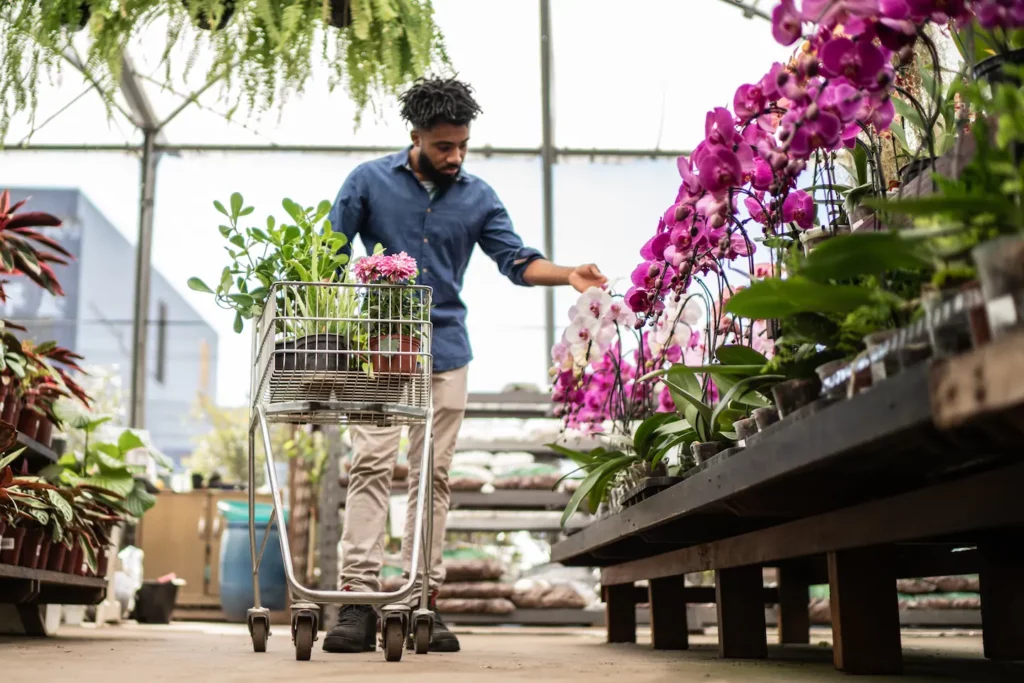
236, 564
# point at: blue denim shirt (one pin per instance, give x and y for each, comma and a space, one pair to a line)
383, 202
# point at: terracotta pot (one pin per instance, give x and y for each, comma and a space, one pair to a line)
10, 545
55, 561
30, 547
394, 354
44, 434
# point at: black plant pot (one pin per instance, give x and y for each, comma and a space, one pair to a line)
204, 22
915, 168
311, 353
795, 394
341, 13
991, 68
197, 481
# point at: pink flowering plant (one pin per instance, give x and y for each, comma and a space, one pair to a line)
391, 304
779, 223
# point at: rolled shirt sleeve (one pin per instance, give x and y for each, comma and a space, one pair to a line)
500, 242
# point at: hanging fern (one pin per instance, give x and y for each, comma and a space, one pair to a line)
262, 50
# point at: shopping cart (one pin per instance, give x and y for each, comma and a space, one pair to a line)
343, 354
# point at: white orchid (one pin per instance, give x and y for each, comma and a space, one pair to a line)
675, 325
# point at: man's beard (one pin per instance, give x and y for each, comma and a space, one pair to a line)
441, 180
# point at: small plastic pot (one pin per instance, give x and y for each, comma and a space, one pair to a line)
28, 421
44, 433
12, 408
794, 394
827, 370
702, 452
55, 560
765, 417
745, 428
31, 547
72, 560
1000, 265
10, 545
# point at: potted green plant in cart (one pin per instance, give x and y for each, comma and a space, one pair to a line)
305, 324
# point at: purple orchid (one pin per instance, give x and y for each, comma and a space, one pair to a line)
786, 23
799, 208
720, 170
859, 62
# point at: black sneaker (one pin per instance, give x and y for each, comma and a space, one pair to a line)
442, 640
356, 630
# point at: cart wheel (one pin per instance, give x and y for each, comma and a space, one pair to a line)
394, 640
259, 635
303, 639
422, 637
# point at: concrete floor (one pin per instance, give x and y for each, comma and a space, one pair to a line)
219, 652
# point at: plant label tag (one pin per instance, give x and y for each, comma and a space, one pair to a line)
39, 549
1002, 312
6, 543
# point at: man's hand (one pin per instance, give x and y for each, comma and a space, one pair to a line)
585, 277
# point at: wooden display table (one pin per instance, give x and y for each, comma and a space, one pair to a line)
921, 475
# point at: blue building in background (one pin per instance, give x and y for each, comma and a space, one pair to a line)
94, 319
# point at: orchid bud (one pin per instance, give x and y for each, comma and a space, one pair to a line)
653, 270
694, 231
639, 322
884, 79
796, 167
812, 112
781, 79
682, 211
717, 221
906, 54
784, 134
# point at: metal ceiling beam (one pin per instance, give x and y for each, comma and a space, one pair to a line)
135, 95
485, 151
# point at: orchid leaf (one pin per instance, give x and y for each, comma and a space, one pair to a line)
588, 484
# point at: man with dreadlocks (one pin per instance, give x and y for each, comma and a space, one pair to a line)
420, 201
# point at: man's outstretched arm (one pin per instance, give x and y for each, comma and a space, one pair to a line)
544, 273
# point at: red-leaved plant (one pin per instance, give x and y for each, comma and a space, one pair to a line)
26, 251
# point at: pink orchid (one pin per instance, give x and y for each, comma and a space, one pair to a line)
786, 23
799, 208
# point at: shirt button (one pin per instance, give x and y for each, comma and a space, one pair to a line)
425, 240
424, 270
428, 210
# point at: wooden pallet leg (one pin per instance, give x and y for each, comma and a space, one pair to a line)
1002, 601
794, 603
739, 594
669, 630
620, 613
865, 612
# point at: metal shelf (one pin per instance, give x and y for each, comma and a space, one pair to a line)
10, 571
502, 499
513, 521
22, 586
513, 404
535, 449
37, 452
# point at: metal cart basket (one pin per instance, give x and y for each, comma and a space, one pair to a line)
350, 354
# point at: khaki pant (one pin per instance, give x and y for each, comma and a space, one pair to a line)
366, 509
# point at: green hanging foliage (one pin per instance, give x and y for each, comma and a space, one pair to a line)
262, 50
